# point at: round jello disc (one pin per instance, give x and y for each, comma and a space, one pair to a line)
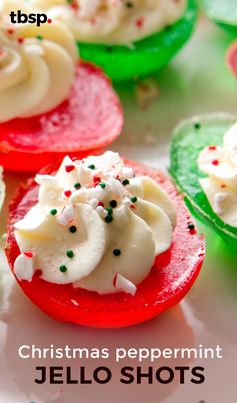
190, 138
170, 278
89, 119
145, 56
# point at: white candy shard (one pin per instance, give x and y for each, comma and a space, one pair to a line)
24, 267
123, 284
101, 211
67, 215
117, 187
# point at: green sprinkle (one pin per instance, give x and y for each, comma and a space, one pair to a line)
109, 218
77, 186
109, 210
70, 254
129, 4
109, 49
113, 203
191, 226
134, 199
117, 252
54, 211
39, 37
63, 268
92, 166
102, 185
125, 182
73, 229
197, 126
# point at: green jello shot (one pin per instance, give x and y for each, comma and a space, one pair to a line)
123, 63
189, 139
224, 13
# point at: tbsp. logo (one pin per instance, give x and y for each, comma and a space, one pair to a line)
18, 17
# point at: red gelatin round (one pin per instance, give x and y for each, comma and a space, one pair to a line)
88, 120
170, 278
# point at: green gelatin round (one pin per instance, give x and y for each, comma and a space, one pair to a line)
122, 63
191, 137
223, 12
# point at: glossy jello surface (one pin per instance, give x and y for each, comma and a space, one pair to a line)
190, 138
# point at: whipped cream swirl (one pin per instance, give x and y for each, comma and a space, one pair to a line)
220, 187
95, 225
37, 64
114, 21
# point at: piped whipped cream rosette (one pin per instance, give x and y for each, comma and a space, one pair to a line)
114, 21
220, 187
52, 103
95, 226
37, 64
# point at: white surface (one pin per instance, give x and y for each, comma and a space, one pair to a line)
197, 81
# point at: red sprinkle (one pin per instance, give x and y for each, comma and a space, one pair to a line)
101, 204
74, 5
215, 162
192, 231
38, 272
10, 31
212, 148
21, 40
49, 21
140, 22
69, 168
96, 180
68, 193
28, 254
132, 206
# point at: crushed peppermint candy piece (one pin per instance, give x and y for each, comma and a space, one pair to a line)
94, 203
75, 303
101, 211
127, 172
24, 266
123, 284
67, 215
69, 168
117, 187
